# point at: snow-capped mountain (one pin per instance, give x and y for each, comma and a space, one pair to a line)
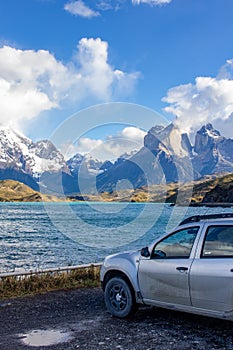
85, 169
20, 153
213, 153
84, 164
22, 159
167, 156
41, 166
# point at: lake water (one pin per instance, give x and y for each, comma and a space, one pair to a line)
38, 236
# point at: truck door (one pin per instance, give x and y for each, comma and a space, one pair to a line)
165, 276
211, 276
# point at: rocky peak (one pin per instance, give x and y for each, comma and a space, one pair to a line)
84, 163
13, 148
206, 138
212, 151
45, 149
74, 163
209, 129
169, 139
21, 153
151, 140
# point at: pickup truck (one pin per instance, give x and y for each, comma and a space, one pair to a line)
189, 269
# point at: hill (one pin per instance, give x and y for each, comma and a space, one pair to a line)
14, 191
209, 190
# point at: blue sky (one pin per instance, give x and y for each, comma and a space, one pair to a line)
58, 57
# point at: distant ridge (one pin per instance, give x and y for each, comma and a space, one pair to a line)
14, 191
209, 191
167, 157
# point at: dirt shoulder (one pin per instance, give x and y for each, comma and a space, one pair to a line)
82, 314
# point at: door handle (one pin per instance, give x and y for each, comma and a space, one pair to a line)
182, 268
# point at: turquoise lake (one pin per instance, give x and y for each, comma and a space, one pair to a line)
38, 236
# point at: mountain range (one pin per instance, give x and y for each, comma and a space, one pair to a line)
167, 156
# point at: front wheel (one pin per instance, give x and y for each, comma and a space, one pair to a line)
119, 299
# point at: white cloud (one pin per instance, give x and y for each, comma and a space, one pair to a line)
86, 145
106, 5
128, 140
151, 2
79, 8
207, 100
135, 134
225, 127
99, 79
35, 81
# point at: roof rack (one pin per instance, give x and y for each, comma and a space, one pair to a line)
197, 218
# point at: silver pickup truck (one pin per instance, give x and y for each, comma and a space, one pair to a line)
189, 269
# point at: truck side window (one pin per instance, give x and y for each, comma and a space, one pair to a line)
177, 245
218, 242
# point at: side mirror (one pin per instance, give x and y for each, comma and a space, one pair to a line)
145, 252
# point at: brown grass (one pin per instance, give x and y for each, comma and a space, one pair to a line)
17, 286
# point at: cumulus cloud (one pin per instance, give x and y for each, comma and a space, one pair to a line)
98, 77
207, 100
79, 8
35, 81
151, 2
135, 134
128, 140
86, 145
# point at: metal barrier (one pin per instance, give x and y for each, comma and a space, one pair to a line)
51, 270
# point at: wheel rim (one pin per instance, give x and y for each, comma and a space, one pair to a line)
118, 297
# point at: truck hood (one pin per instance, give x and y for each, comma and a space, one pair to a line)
130, 256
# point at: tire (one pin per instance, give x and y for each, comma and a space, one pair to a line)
119, 298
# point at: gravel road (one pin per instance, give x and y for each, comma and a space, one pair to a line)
78, 319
